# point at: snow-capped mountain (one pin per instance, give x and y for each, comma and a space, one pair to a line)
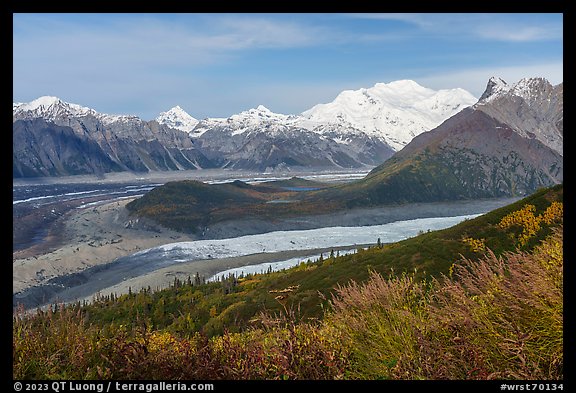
365, 126
49, 107
495, 87
52, 137
251, 119
395, 112
260, 116
177, 118
53, 108
532, 107
259, 139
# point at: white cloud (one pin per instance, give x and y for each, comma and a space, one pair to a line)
164, 41
520, 33
267, 33
495, 26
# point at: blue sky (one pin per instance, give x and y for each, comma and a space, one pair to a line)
215, 65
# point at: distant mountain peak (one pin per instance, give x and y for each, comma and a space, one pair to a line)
494, 88
262, 108
177, 118
401, 84
525, 88
51, 108
496, 80
532, 107
394, 112
45, 101
261, 111
259, 115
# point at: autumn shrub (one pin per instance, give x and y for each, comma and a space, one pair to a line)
475, 245
54, 344
159, 355
495, 318
530, 223
282, 346
382, 320
500, 317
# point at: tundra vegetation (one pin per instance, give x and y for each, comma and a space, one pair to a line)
480, 300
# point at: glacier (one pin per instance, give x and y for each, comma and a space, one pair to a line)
278, 241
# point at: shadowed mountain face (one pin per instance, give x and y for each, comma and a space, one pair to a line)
54, 138
45, 149
261, 149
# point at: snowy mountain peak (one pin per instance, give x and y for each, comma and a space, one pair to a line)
51, 108
526, 88
259, 115
262, 113
262, 108
177, 118
495, 87
395, 112
403, 84
45, 102
532, 107
259, 118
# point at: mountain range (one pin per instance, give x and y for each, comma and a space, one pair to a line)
359, 128
509, 143
53, 138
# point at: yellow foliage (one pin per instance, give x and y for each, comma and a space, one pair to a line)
529, 222
476, 245
161, 341
555, 212
550, 255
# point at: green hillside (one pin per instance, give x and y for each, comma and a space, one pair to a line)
424, 177
430, 254
424, 174
190, 206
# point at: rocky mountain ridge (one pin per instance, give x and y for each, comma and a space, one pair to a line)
52, 137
